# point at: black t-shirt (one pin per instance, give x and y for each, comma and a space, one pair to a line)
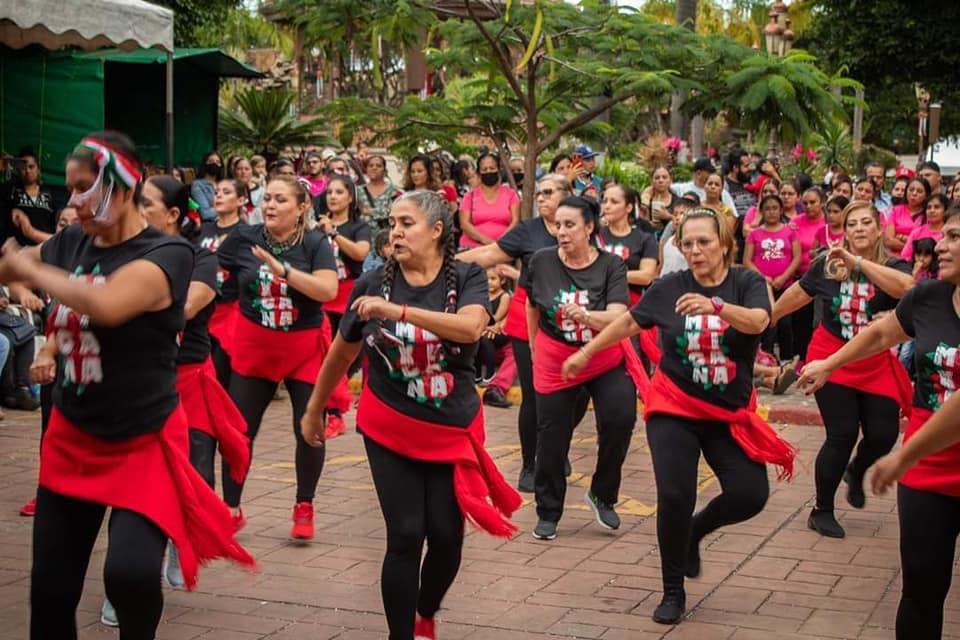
40, 211
632, 248
357, 231
525, 239
210, 238
411, 369
603, 282
742, 199
118, 382
195, 342
703, 354
849, 306
927, 315
265, 298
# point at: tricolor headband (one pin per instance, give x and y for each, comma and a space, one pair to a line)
112, 161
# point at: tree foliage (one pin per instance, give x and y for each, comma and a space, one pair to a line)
889, 45
195, 20
262, 123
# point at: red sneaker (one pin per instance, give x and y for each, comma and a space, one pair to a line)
335, 426
239, 521
424, 629
302, 521
30, 509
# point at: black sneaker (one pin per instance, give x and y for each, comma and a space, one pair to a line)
604, 513
855, 495
21, 398
824, 523
545, 530
671, 608
494, 397
525, 483
692, 569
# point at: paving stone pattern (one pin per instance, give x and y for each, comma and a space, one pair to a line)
767, 578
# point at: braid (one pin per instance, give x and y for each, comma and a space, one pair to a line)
450, 273
389, 275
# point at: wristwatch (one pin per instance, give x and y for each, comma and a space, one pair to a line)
717, 303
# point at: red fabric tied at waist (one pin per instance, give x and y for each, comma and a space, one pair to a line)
515, 324
938, 472
650, 344
754, 435
339, 304
150, 475
222, 322
209, 409
880, 374
485, 498
550, 354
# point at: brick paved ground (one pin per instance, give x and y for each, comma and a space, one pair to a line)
768, 578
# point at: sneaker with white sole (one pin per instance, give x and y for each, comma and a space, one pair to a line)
545, 530
108, 615
605, 515
172, 573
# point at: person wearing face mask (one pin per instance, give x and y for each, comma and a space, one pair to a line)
701, 399
854, 281
121, 288
489, 210
283, 271
203, 190
516, 169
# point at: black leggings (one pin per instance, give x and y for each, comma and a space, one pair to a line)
64, 532
221, 362
418, 503
929, 525
203, 450
614, 402
252, 396
802, 328
527, 421
780, 333
675, 446
486, 361
845, 411
335, 319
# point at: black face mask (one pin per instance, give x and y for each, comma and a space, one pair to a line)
490, 179
742, 177
211, 169
518, 178
895, 200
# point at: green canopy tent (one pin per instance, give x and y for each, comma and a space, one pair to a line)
49, 99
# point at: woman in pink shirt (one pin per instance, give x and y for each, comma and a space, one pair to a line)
490, 209
932, 225
773, 250
807, 225
832, 232
903, 218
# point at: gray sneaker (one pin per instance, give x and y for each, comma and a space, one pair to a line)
171, 568
545, 530
108, 615
604, 513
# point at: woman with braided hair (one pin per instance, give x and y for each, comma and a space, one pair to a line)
283, 272
419, 318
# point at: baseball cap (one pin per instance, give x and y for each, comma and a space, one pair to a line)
327, 153
585, 151
704, 164
691, 199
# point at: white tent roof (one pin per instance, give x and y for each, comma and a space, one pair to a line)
88, 24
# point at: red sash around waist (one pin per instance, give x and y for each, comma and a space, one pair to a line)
339, 304
754, 435
485, 498
880, 374
515, 325
938, 472
209, 409
150, 475
549, 354
222, 323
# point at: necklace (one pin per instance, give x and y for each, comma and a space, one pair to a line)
276, 248
591, 256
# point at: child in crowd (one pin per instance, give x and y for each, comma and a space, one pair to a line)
493, 340
381, 251
925, 267
833, 231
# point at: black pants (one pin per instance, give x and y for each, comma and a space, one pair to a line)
615, 405
929, 525
252, 396
802, 328
675, 446
335, 319
221, 362
845, 411
64, 532
418, 503
486, 361
527, 421
781, 334
203, 450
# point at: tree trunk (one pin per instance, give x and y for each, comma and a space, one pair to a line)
686, 17
696, 136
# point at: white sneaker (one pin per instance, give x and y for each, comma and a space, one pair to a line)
108, 615
172, 573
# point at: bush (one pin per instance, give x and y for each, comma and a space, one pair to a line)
629, 174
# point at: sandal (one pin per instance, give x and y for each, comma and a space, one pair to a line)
784, 380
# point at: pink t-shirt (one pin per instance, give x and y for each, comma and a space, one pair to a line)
825, 236
772, 250
902, 220
490, 218
923, 231
806, 229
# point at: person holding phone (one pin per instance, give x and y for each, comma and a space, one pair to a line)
587, 183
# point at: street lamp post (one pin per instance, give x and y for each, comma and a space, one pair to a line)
779, 39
